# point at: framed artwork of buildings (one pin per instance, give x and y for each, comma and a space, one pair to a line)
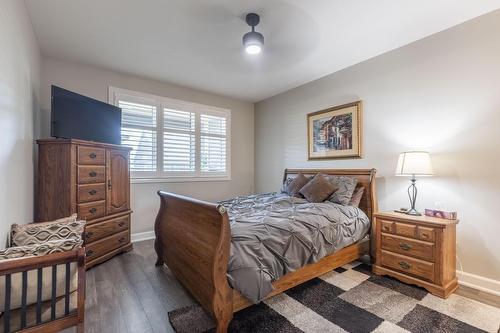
335, 132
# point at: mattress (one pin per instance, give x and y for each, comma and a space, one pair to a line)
275, 234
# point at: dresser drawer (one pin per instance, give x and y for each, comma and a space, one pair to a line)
91, 174
100, 230
407, 265
426, 234
91, 210
91, 155
103, 246
91, 192
408, 247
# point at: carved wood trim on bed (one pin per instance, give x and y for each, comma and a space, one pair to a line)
193, 239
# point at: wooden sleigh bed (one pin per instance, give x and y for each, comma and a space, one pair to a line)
193, 239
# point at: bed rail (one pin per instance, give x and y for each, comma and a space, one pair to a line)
193, 240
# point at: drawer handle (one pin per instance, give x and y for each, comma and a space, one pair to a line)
89, 234
121, 224
404, 265
92, 155
92, 192
123, 239
405, 246
89, 253
92, 173
92, 210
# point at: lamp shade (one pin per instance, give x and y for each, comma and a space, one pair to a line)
414, 163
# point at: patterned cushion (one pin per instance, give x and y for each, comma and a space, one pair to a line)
318, 189
54, 246
346, 186
356, 196
293, 186
36, 233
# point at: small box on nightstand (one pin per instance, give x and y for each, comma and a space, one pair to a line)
418, 250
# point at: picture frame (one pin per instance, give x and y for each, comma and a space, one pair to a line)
335, 132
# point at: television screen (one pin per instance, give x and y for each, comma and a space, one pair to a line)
78, 117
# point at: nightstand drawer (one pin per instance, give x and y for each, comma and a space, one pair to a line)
426, 234
407, 230
398, 228
408, 247
387, 226
407, 265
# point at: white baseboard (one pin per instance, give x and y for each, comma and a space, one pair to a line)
142, 236
487, 285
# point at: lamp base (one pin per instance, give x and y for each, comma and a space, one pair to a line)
412, 195
413, 212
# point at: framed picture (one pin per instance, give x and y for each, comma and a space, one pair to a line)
335, 132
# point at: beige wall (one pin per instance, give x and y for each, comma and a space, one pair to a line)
441, 94
19, 81
94, 82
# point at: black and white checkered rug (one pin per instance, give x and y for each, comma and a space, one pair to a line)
351, 299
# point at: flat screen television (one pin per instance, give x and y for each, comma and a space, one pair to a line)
74, 116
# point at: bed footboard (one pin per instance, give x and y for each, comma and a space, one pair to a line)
193, 239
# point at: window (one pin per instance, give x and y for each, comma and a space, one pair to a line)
173, 139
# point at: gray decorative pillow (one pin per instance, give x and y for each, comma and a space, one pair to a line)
346, 186
356, 196
293, 187
318, 189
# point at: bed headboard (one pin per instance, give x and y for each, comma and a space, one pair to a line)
365, 177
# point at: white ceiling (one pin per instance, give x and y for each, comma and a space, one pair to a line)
197, 43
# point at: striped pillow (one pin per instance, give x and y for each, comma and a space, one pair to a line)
36, 233
60, 245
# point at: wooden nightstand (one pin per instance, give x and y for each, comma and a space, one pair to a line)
417, 250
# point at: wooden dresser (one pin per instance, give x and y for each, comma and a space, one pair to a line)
93, 180
417, 250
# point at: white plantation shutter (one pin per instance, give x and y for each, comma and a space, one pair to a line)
173, 139
178, 141
213, 150
139, 133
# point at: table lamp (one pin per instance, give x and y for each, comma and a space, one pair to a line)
413, 164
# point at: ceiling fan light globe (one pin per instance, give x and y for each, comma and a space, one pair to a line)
253, 49
253, 42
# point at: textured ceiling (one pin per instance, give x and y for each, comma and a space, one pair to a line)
198, 43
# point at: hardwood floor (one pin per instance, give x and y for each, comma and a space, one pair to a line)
129, 294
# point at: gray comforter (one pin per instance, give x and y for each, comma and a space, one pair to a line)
274, 234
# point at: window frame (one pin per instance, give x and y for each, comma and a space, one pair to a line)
160, 102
